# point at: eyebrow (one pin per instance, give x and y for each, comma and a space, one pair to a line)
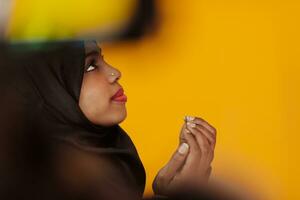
93, 52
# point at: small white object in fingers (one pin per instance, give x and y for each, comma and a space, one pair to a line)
192, 125
188, 118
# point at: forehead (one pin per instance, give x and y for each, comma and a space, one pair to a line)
91, 46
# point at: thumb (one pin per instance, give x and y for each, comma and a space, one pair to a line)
168, 172
175, 163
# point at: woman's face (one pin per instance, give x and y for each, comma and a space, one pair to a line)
98, 87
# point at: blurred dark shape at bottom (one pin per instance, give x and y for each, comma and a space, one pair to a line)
212, 191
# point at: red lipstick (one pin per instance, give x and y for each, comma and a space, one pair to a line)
119, 96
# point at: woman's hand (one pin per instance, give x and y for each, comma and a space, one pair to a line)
190, 166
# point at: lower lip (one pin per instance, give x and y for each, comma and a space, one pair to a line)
121, 99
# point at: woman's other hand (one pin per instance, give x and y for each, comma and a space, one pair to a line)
190, 166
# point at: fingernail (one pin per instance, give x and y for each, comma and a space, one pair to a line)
184, 147
189, 118
187, 130
192, 125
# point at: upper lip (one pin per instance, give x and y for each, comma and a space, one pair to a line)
120, 92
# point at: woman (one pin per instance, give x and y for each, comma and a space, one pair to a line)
68, 104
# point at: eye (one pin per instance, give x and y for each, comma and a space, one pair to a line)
91, 67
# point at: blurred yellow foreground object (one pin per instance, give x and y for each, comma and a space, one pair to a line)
54, 19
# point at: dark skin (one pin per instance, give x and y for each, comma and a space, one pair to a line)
189, 166
98, 86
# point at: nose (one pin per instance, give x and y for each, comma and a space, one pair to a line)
114, 75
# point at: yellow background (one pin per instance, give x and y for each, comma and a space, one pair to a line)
234, 63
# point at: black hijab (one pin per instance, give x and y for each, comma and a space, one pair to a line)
41, 82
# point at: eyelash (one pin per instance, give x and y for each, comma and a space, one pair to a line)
91, 64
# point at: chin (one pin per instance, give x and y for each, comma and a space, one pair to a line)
121, 116
113, 118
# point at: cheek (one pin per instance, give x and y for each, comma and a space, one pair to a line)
94, 96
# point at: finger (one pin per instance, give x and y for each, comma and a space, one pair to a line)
167, 173
194, 156
182, 138
205, 128
191, 140
200, 138
202, 122
208, 172
175, 163
210, 138
202, 142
